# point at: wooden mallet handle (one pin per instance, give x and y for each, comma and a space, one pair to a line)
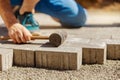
32, 37
39, 37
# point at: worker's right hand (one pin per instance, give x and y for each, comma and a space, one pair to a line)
19, 34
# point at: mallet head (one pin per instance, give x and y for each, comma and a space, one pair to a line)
57, 38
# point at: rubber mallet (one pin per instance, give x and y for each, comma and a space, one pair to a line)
56, 38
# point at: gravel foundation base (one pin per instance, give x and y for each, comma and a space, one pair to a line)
109, 71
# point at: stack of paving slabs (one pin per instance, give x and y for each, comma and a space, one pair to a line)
74, 52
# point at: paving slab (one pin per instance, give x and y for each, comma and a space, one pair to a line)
24, 55
23, 58
93, 52
63, 58
6, 59
72, 42
28, 55
113, 48
51, 58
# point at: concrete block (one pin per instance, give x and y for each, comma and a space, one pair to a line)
116, 36
113, 49
17, 57
94, 52
6, 59
23, 57
94, 55
61, 59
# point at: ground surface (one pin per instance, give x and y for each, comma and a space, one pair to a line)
99, 25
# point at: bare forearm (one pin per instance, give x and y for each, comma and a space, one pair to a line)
31, 3
7, 13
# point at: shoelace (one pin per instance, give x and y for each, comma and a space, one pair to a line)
29, 19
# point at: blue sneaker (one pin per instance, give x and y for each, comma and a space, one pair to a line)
28, 21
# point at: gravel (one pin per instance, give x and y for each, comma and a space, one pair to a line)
108, 71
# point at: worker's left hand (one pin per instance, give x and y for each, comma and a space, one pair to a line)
28, 6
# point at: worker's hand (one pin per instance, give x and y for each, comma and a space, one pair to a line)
19, 34
28, 6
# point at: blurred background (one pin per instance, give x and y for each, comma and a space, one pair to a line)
107, 5
101, 13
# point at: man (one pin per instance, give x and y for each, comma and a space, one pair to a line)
67, 11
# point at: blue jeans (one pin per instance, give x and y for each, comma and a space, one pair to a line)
68, 11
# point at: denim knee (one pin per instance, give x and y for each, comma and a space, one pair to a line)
62, 8
77, 19
81, 18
